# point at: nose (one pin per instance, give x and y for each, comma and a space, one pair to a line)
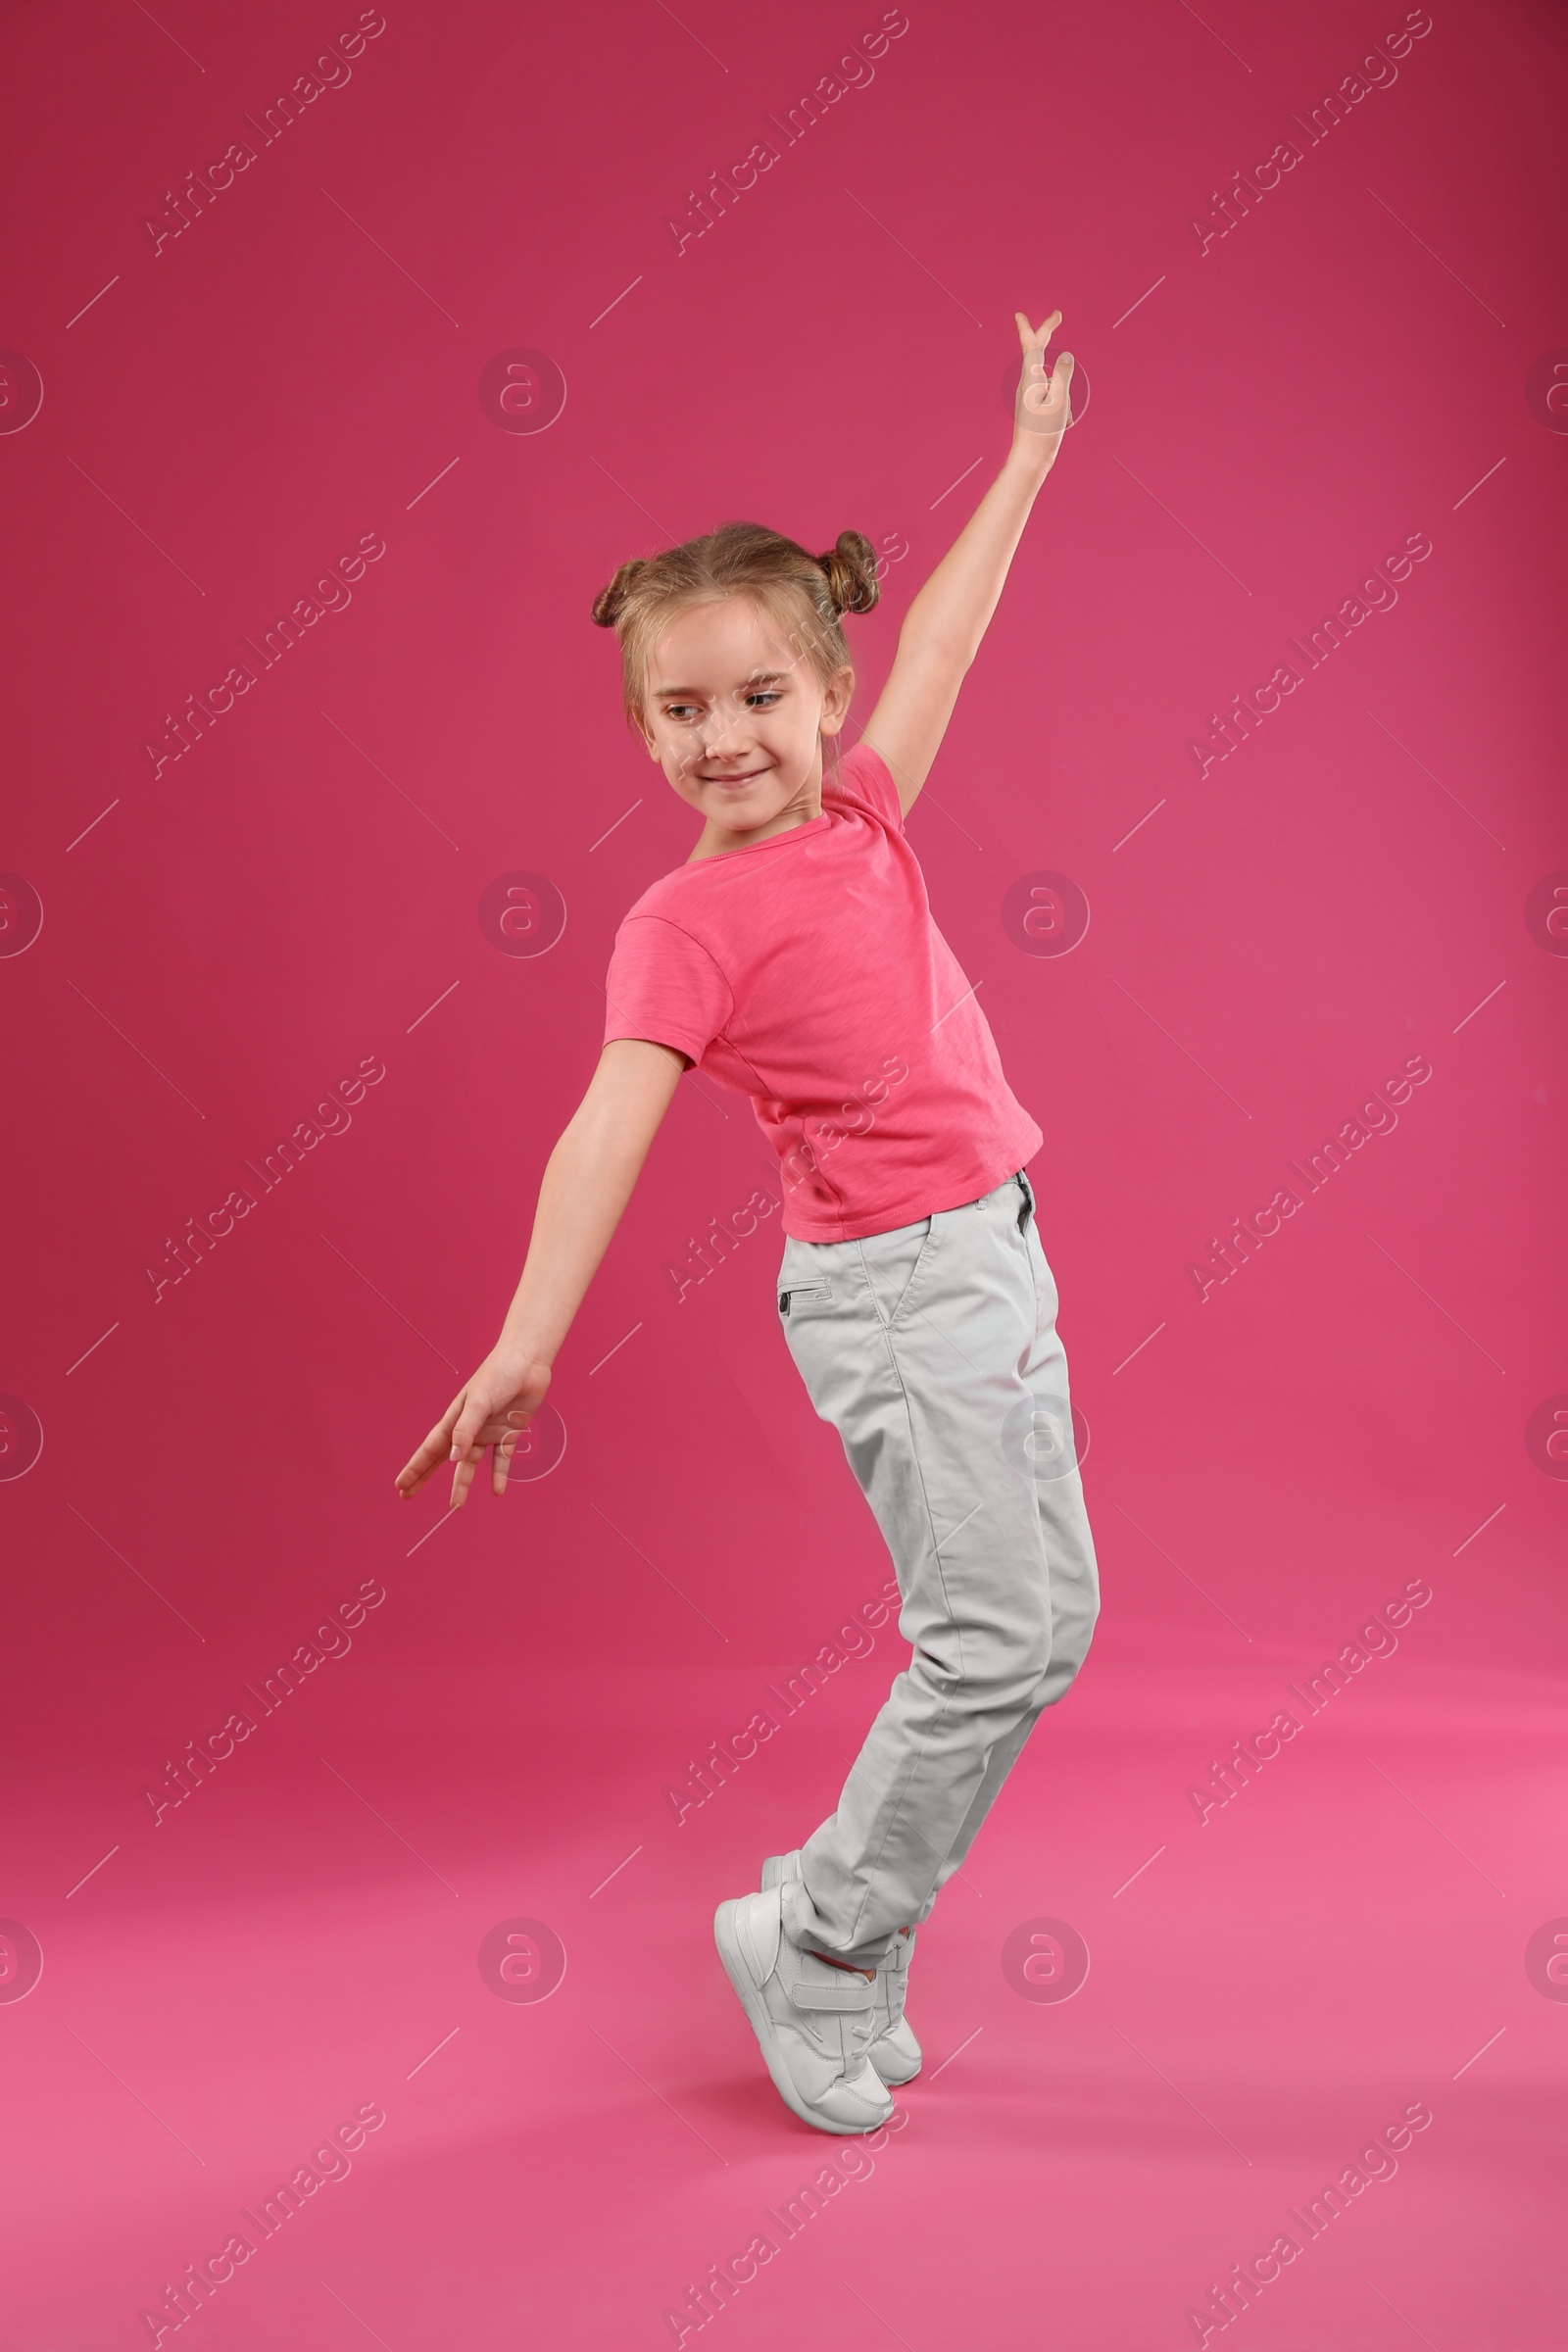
725, 735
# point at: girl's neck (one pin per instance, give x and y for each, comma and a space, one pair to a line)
715, 842
720, 841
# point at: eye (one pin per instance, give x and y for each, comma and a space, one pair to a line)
763, 696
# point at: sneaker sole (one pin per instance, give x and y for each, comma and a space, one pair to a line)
762, 2024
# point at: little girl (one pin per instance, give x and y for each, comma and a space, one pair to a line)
794, 957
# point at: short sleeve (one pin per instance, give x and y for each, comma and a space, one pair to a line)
663, 985
864, 776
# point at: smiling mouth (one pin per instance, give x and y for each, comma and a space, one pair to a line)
750, 777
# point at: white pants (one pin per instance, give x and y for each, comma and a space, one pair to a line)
933, 1351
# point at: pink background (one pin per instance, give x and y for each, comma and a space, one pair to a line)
1365, 356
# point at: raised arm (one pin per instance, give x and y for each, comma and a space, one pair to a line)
942, 627
587, 1183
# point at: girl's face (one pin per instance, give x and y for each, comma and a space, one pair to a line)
735, 718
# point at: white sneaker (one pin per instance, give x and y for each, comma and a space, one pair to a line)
815, 2021
894, 2053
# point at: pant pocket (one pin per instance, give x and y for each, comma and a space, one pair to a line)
1047, 1301
797, 1299
895, 1263
809, 1282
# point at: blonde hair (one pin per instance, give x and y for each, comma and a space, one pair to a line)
806, 595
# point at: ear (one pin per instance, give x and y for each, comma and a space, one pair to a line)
836, 697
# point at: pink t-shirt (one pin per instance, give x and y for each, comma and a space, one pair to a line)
806, 972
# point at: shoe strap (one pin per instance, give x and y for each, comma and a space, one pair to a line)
834, 1988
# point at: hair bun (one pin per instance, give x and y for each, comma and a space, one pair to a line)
850, 569
610, 602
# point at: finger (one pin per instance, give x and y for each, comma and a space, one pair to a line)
463, 1480
469, 1422
499, 1462
1032, 339
435, 1450
1048, 394
492, 1432
1036, 376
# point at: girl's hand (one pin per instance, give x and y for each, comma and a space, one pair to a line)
492, 1409
1043, 412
